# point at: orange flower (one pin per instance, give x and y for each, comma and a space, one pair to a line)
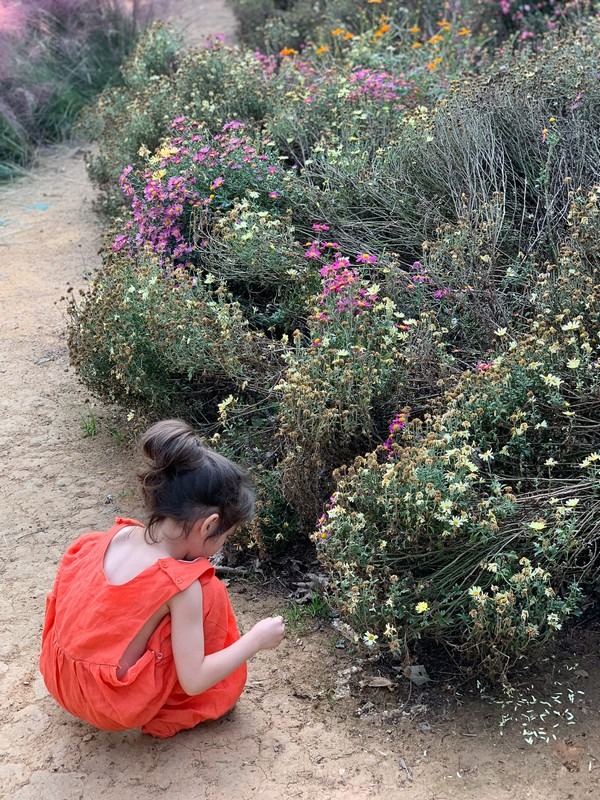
323, 49
384, 29
464, 32
373, 1
416, 44
337, 32
444, 25
414, 29
347, 36
288, 51
433, 65
436, 39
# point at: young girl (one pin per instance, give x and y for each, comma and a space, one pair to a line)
138, 631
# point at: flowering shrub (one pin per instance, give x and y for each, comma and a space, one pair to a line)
279, 25
361, 357
210, 85
477, 526
374, 283
254, 252
191, 174
184, 357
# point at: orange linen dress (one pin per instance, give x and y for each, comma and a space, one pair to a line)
89, 623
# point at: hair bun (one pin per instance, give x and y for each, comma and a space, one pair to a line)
171, 446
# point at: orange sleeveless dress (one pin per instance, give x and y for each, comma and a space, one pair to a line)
89, 622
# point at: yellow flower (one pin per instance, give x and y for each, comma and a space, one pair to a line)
573, 363
416, 44
464, 32
323, 49
347, 36
436, 39
552, 380
537, 525
415, 29
422, 607
338, 32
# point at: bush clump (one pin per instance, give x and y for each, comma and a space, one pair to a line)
477, 525
369, 270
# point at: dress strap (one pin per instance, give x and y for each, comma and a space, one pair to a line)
123, 522
184, 573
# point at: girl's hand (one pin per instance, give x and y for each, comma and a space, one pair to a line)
269, 633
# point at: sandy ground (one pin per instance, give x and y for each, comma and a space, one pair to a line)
305, 727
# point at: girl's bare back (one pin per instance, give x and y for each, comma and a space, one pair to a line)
127, 556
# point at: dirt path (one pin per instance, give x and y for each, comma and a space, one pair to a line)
295, 733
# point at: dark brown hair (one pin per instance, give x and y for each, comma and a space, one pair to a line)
185, 481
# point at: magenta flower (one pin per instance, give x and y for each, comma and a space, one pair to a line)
313, 252
365, 258
319, 227
119, 243
397, 424
217, 182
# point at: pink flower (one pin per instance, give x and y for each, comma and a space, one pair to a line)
273, 195
119, 243
319, 227
217, 182
483, 366
365, 258
313, 252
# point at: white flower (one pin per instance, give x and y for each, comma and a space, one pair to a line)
550, 462
370, 638
553, 621
572, 325
500, 331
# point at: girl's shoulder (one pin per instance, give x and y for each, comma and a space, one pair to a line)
91, 539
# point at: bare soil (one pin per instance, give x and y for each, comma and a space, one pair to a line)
307, 725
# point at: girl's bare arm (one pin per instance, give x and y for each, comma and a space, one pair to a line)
197, 672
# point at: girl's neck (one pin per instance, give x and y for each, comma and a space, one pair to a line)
167, 534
